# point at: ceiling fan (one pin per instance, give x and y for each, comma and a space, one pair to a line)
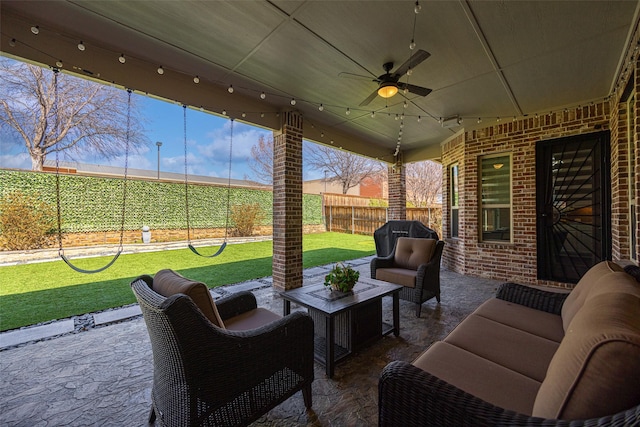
388, 84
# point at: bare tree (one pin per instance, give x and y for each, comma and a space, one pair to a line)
262, 164
424, 183
75, 115
344, 167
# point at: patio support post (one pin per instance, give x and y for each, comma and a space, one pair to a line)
287, 203
397, 190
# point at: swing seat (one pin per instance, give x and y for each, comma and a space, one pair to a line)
220, 249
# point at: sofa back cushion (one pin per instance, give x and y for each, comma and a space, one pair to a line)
411, 252
168, 282
595, 371
579, 294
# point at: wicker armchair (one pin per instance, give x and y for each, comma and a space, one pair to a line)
209, 376
415, 264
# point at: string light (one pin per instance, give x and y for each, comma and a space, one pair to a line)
412, 45
348, 111
224, 112
59, 63
230, 89
373, 114
293, 101
81, 46
12, 43
321, 107
417, 8
263, 95
122, 59
35, 30
196, 79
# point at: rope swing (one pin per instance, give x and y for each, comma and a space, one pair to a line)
186, 192
124, 188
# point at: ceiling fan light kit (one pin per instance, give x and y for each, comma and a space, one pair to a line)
387, 89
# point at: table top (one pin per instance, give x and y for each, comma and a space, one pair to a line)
322, 298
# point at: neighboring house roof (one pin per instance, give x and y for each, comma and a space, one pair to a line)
115, 171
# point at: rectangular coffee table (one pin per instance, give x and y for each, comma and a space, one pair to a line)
345, 322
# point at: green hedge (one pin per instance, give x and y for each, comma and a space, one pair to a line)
95, 203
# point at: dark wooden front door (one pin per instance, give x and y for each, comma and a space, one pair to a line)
573, 205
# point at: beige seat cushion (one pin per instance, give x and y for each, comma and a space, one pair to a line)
411, 252
168, 282
596, 370
398, 276
578, 295
252, 319
517, 350
527, 319
480, 377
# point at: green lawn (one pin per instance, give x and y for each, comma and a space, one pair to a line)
33, 293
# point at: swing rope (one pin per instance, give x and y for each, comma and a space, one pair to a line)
124, 189
186, 192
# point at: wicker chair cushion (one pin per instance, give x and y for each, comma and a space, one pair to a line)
578, 295
251, 319
505, 345
488, 380
411, 252
399, 276
168, 282
536, 322
595, 371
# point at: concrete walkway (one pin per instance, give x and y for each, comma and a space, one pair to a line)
102, 376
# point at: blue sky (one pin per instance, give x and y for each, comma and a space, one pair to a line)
208, 139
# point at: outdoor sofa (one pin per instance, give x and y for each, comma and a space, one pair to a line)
529, 357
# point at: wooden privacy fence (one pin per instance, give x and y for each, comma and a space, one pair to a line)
366, 219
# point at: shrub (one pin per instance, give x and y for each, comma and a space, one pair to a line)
245, 217
26, 222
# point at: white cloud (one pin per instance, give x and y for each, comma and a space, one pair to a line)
15, 161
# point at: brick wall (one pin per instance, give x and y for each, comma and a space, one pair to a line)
453, 153
164, 235
287, 203
514, 261
635, 134
397, 190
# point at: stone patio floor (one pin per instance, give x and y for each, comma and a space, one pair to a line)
102, 376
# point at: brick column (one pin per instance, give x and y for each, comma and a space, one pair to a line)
287, 203
397, 190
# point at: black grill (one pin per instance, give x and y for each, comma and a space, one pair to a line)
386, 236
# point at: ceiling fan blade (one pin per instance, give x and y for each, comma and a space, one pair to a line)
356, 76
369, 98
417, 90
412, 62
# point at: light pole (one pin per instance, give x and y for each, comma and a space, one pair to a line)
325, 180
159, 144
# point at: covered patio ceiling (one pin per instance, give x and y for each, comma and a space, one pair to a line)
489, 59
